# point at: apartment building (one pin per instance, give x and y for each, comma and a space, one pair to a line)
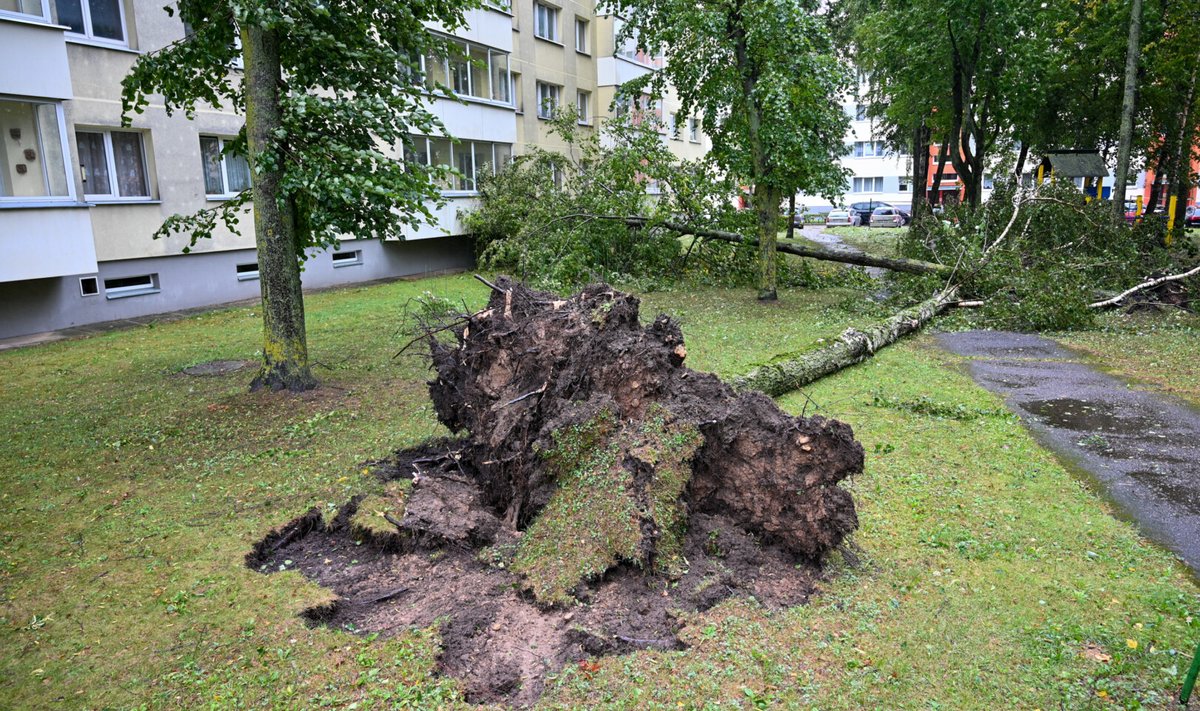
81, 196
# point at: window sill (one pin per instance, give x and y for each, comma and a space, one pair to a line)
485, 102
119, 201
220, 198
460, 193
101, 44
550, 41
583, 52
41, 204
126, 294
36, 21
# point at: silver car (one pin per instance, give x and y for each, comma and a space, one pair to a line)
887, 217
842, 218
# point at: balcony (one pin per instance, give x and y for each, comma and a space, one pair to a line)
46, 241
34, 55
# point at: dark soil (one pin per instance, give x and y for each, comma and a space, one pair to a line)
571, 410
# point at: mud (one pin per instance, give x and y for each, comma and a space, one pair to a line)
498, 642
1139, 449
596, 493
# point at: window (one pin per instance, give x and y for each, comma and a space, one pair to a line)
469, 70
247, 272
581, 35
869, 149
102, 20
225, 174
860, 112
121, 287
113, 165
347, 259
547, 99
30, 8
545, 22
33, 153
472, 159
905, 183
694, 129
672, 126
89, 286
583, 100
868, 185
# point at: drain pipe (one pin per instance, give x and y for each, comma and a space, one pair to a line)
1190, 680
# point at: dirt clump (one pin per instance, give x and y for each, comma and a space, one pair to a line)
598, 492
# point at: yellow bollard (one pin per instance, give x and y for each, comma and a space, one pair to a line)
1171, 220
1041, 174
1138, 210
1087, 185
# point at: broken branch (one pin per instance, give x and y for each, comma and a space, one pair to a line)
1150, 284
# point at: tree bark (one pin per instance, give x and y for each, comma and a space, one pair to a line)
920, 173
285, 348
943, 154
1125, 146
794, 371
791, 227
1181, 175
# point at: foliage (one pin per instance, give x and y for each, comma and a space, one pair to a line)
543, 218
1059, 255
352, 96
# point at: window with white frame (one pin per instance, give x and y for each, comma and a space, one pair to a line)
583, 105
100, 20
694, 129
26, 9
545, 22
470, 70
112, 165
860, 112
869, 149
33, 151
225, 174
581, 35
673, 126
905, 183
548, 96
122, 287
868, 185
472, 159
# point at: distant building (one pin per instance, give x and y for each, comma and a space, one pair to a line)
80, 196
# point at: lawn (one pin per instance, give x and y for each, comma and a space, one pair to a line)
989, 577
876, 240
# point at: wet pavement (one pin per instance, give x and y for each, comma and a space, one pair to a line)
1141, 449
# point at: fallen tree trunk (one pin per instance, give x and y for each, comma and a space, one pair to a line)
796, 370
862, 259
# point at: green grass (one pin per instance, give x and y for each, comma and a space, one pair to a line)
990, 577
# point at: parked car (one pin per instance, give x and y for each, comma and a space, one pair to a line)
864, 210
887, 217
842, 218
1191, 217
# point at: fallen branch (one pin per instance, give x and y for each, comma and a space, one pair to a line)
862, 259
853, 346
1142, 287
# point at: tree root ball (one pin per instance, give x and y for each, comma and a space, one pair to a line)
592, 442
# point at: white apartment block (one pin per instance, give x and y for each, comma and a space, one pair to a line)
80, 196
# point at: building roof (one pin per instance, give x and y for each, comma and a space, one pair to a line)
1077, 164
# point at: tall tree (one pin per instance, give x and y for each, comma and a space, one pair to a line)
331, 92
762, 76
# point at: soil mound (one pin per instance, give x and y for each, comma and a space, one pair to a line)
601, 491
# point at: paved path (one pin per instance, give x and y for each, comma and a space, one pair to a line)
817, 234
1142, 449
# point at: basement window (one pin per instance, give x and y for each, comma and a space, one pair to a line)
122, 287
347, 259
89, 286
247, 272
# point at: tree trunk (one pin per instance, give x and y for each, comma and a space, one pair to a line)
1161, 168
766, 206
1132, 54
285, 349
1181, 175
920, 172
791, 228
943, 154
788, 373
1019, 172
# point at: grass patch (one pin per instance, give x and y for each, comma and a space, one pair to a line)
882, 241
131, 494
